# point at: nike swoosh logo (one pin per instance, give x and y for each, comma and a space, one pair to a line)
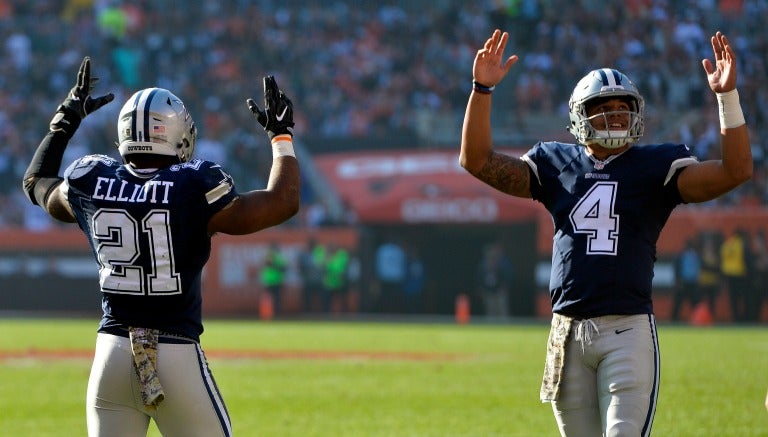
619, 331
280, 117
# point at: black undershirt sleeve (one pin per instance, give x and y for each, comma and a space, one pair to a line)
42, 174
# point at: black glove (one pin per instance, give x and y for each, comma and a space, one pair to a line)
277, 116
79, 102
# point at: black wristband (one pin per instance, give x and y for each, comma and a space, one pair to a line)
482, 89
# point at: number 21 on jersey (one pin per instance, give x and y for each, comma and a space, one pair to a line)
117, 236
594, 216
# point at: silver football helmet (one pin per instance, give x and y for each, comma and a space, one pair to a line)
605, 82
155, 121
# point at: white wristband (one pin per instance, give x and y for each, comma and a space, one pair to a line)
730, 109
282, 145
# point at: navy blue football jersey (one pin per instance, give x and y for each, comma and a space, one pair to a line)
607, 219
149, 235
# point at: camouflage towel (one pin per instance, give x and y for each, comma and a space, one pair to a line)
144, 345
553, 367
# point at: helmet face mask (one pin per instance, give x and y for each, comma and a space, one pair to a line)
606, 83
155, 121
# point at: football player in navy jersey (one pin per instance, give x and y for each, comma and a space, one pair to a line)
149, 221
609, 199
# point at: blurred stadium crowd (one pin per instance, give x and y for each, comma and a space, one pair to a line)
367, 74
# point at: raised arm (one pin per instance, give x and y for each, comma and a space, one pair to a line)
505, 173
710, 179
279, 201
42, 180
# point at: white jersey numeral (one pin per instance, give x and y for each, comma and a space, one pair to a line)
594, 215
119, 237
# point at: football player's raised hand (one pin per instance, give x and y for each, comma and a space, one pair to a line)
277, 115
490, 67
722, 74
79, 102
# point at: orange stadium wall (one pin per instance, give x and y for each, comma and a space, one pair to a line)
231, 278
50, 272
54, 271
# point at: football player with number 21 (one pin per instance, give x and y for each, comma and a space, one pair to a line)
609, 199
149, 221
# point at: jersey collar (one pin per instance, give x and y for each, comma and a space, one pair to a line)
600, 164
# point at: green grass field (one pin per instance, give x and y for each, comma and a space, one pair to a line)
387, 379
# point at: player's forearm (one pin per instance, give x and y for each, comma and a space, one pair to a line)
711, 179
734, 138
737, 153
476, 137
42, 173
256, 210
285, 183
502, 172
284, 176
261, 209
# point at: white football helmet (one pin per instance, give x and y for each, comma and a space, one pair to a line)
605, 82
155, 121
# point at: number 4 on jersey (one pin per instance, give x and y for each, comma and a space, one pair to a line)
594, 215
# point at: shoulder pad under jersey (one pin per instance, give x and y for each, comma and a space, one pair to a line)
86, 164
217, 182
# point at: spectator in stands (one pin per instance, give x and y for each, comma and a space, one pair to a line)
335, 283
709, 275
415, 281
687, 273
272, 275
391, 273
495, 276
385, 96
734, 266
758, 292
312, 262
